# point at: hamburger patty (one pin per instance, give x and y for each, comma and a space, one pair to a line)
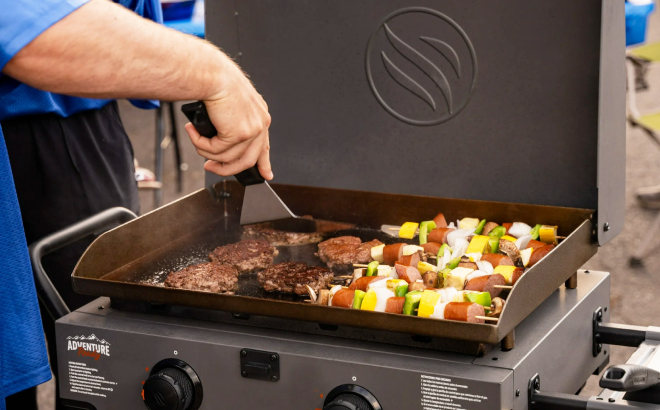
246, 256
208, 277
281, 238
344, 251
291, 277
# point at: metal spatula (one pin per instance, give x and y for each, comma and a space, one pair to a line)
260, 203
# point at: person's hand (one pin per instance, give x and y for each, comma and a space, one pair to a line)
241, 117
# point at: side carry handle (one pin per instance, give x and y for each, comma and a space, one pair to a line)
100, 222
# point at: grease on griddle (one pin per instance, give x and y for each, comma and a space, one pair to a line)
152, 269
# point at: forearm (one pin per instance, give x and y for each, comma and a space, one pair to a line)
103, 50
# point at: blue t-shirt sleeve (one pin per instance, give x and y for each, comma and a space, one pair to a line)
21, 21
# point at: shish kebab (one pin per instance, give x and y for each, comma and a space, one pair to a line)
475, 261
464, 284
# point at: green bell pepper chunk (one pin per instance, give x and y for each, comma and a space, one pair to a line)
441, 280
494, 245
411, 304
357, 299
372, 269
401, 290
441, 253
497, 232
444, 273
480, 227
482, 298
423, 234
424, 229
535, 232
454, 263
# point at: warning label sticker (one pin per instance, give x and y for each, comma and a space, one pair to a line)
84, 379
441, 393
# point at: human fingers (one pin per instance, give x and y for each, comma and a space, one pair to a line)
225, 170
248, 160
263, 163
230, 155
217, 168
215, 145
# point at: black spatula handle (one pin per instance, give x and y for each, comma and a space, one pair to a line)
199, 117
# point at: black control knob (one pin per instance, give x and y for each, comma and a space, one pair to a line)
169, 389
351, 397
172, 385
348, 402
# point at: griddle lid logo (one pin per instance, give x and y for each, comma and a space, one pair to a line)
421, 66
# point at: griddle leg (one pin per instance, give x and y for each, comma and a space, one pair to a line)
571, 283
509, 341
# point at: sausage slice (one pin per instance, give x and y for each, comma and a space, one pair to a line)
539, 254
534, 244
408, 273
439, 235
343, 298
440, 221
464, 311
487, 283
395, 305
432, 247
363, 282
392, 253
410, 260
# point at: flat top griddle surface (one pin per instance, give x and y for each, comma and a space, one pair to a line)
131, 262
154, 270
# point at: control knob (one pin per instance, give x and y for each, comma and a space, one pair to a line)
351, 397
172, 385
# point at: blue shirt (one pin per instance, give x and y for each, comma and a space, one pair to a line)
18, 99
23, 358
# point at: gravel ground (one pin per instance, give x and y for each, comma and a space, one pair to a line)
630, 286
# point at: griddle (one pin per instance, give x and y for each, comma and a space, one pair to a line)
131, 261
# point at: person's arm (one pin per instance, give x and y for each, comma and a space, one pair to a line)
102, 50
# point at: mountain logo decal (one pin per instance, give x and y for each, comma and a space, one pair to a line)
88, 346
421, 66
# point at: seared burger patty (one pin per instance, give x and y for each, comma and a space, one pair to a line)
281, 238
246, 256
291, 277
344, 251
208, 277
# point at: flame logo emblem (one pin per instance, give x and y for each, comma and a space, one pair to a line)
159, 399
425, 82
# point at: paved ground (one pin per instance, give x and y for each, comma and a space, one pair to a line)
631, 288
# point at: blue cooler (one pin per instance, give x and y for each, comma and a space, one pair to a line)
636, 18
177, 9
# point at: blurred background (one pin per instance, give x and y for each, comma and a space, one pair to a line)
633, 285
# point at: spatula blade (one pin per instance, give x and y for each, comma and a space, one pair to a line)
261, 204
